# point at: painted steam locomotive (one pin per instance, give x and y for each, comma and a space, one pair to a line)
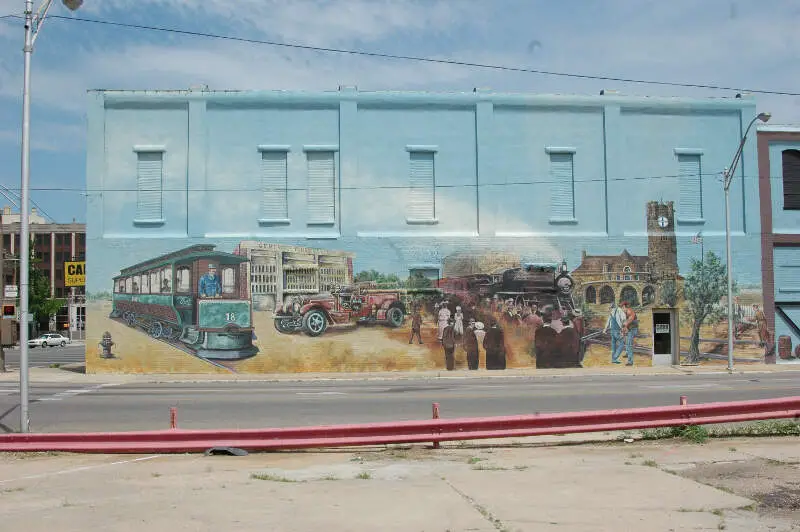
532, 284
180, 299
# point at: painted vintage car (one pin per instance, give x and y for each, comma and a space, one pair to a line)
341, 307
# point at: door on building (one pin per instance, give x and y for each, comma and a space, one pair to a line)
665, 338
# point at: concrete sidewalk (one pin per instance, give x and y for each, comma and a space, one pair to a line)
74, 374
733, 484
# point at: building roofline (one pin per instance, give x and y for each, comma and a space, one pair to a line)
49, 227
233, 97
779, 128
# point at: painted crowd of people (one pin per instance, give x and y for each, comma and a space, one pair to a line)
488, 324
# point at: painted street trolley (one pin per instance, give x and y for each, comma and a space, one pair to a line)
196, 299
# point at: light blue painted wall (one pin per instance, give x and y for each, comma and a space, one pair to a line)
492, 173
163, 127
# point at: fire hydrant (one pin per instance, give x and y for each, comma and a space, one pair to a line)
106, 344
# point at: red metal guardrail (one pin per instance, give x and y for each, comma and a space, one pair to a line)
432, 430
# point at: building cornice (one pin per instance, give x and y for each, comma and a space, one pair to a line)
46, 228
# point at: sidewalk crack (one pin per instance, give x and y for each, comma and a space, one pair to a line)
478, 507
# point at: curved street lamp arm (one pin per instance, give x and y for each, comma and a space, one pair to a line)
37, 20
732, 169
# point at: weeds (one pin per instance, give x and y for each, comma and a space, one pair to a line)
699, 433
482, 467
693, 433
650, 463
776, 427
474, 460
268, 476
364, 475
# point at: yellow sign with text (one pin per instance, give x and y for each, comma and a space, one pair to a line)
75, 273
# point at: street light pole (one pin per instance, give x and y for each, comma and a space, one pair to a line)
33, 23
728, 177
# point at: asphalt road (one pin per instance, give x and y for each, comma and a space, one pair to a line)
37, 357
140, 406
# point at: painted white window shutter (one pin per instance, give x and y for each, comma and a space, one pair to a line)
562, 186
321, 187
274, 185
691, 195
149, 178
422, 183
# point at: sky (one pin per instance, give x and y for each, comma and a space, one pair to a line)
743, 44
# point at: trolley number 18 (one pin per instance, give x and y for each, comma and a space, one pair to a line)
230, 316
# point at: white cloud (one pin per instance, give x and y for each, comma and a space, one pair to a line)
682, 41
315, 22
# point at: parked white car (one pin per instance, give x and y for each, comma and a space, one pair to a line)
49, 340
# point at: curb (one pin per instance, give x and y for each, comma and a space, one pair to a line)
72, 373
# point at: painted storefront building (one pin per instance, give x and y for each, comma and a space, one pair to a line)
373, 231
779, 185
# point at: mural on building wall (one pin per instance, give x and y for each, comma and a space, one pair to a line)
273, 307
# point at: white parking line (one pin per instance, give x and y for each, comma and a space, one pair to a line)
681, 386
320, 393
66, 394
77, 469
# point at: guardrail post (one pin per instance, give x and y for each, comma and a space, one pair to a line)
684, 400
435, 416
173, 417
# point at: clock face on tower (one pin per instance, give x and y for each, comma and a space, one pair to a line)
663, 222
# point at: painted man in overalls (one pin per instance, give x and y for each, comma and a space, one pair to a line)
616, 319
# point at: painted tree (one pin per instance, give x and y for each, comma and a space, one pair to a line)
706, 284
418, 280
668, 293
382, 279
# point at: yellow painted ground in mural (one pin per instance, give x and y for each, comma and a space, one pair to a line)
364, 348
134, 351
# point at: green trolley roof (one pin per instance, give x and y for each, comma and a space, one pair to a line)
188, 254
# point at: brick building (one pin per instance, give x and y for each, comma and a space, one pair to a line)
604, 279
437, 184
779, 188
53, 245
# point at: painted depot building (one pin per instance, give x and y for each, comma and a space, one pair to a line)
379, 231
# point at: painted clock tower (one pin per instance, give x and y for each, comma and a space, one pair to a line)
662, 246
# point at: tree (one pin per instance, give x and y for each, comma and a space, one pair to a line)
40, 304
706, 284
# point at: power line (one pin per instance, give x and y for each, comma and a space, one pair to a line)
4, 189
419, 58
88, 190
